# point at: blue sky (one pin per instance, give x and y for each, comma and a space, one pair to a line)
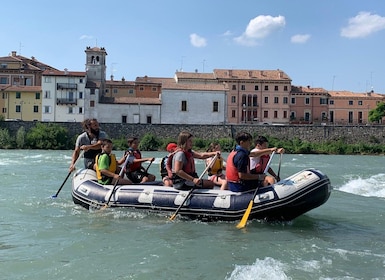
333, 44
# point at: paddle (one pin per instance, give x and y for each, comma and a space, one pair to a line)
191, 191
245, 217
117, 181
68, 175
279, 166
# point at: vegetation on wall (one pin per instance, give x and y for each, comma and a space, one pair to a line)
52, 136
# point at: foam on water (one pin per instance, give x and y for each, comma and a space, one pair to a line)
373, 186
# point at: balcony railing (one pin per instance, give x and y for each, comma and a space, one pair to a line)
66, 86
66, 101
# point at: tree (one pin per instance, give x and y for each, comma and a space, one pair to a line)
377, 113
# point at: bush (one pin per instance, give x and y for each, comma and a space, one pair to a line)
48, 136
6, 141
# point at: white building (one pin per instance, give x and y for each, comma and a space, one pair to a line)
63, 96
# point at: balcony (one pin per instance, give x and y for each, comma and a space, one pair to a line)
61, 86
66, 101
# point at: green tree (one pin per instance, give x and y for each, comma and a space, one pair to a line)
20, 137
377, 113
6, 141
47, 136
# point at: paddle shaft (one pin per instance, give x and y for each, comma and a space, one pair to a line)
68, 175
245, 217
117, 180
191, 191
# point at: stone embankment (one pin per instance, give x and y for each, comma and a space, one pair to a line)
313, 133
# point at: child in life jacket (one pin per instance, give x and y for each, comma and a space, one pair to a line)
258, 163
215, 172
135, 171
107, 167
166, 165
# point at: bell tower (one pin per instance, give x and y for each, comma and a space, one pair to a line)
96, 67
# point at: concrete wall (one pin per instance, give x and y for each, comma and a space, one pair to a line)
350, 134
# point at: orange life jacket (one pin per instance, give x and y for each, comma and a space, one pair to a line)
261, 165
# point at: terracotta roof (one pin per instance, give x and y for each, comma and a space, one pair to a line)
119, 83
225, 74
301, 89
344, 93
55, 72
194, 75
30, 63
20, 88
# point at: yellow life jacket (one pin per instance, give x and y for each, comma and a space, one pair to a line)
112, 166
217, 167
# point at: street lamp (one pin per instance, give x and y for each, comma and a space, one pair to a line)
244, 112
21, 110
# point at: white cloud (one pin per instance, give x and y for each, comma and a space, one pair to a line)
260, 27
363, 25
300, 38
197, 41
85, 37
227, 33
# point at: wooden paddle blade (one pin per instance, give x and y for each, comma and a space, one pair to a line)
172, 217
245, 217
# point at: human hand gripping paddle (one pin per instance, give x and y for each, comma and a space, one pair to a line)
245, 217
193, 188
68, 175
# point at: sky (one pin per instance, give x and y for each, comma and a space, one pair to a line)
330, 44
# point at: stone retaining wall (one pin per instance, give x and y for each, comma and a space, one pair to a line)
313, 133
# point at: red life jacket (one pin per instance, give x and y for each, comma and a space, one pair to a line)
189, 167
135, 165
231, 170
261, 165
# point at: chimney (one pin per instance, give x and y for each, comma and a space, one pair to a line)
112, 77
13, 53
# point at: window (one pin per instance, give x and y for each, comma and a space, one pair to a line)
47, 94
307, 100
243, 87
293, 100
149, 119
233, 99
266, 99
285, 100
36, 109
5, 95
265, 114
107, 90
18, 95
3, 80
234, 87
130, 91
285, 88
266, 87
307, 116
154, 89
184, 106
3, 66
285, 114
275, 114
47, 79
276, 88
92, 92
4, 110
70, 110
124, 119
115, 91
92, 103
350, 102
215, 106
80, 80
18, 108
47, 109
255, 100
233, 113
331, 102
323, 101
360, 102
256, 87
141, 88
80, 95
37, 95
80, 110
276, 100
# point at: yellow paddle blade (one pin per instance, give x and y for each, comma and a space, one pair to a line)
243, 222
172, 217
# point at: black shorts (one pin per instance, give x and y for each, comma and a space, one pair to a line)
136, 176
